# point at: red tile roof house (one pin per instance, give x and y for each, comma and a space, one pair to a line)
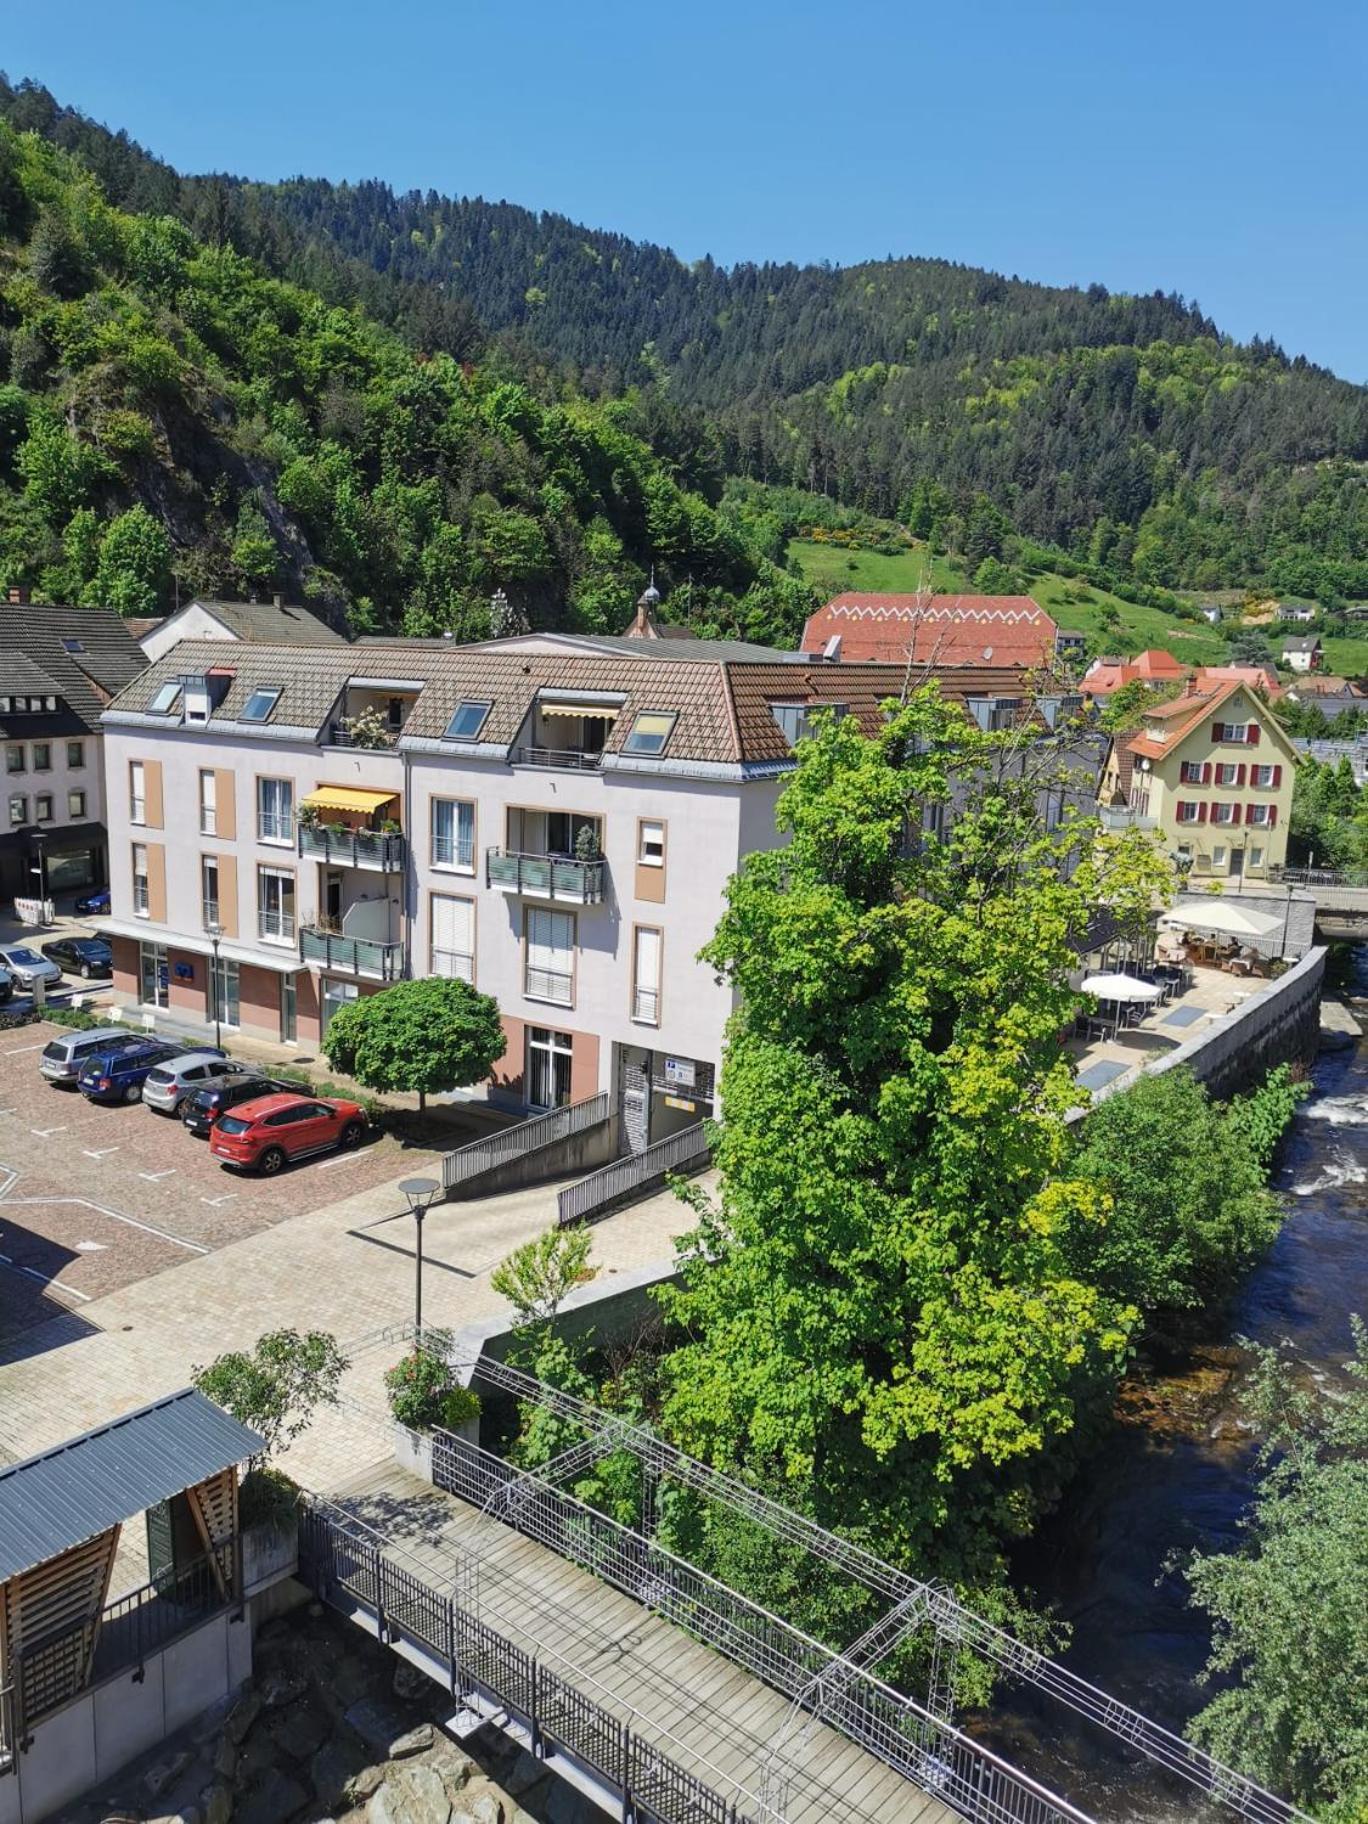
996, 632
1154, 666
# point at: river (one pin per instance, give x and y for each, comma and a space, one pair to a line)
1177, 1469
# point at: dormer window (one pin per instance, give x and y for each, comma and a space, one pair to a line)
792, 721
259, 705
197, 701
467, 720
650, 732
165, 699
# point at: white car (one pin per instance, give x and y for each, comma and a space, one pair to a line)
27, 967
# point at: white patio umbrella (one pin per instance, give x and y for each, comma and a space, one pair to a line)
1120, 988
1221, 918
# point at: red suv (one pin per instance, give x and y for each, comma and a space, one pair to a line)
262, 1135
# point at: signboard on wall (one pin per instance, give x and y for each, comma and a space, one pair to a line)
689, 1108
679, 1073
185, 972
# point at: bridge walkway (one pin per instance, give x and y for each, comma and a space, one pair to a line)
697, 1707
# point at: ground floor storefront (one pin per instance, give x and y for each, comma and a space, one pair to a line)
45, 863
288, 1005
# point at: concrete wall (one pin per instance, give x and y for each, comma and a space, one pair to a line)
614, 1307
574, 1157
1278, 1025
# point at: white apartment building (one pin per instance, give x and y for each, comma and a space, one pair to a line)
553, 819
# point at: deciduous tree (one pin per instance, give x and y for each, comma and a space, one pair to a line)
420, 1036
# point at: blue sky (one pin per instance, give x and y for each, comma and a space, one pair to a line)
1212, 148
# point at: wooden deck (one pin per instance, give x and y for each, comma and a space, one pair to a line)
706, 1713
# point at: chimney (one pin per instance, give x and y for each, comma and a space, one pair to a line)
18, 596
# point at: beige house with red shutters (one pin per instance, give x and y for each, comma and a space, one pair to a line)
1212, 772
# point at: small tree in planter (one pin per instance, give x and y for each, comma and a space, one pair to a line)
537, 1276
424, 1394
423, 1036
275, 1387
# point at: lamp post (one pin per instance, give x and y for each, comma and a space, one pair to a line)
420, 1193
215, 931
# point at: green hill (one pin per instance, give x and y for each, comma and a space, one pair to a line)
172, 416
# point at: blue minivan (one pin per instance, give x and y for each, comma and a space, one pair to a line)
118, 1075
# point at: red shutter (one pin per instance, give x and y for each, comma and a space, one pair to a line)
1218, 731
1240, 773
1277, 777
1249, 813
1206, 773
1202, 812
1272, 815
1253, 734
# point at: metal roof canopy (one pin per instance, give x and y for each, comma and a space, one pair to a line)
80, 1489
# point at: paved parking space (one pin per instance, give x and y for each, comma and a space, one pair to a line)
94, 1198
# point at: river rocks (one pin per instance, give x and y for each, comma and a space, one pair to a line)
300, 1731
413, 1741
335, 1765
164, 1774
241, 1717
484, 1807
283, 1687
216, 1802
361, 1785
277, 1796
413, 1795
379, 1724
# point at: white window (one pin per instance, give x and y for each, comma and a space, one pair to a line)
1227, 773
467, 720
453, 834
275, 905
453, 937
1256, 858
18, 808
141, 902
14, 757
42, 756
209, 892
154, 978
550, 1057
1218, 856
650, 732
208, 802
275, 810
75, 755
646, 975
651, 844
1233, 731
1259, 813
164, 701
1225, 813
550, 973
1265, 777
137, 792
42, 808
224, 999
75, 804
260, 704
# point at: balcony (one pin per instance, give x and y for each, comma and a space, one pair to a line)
575, 759
578, 883
346, 848
1122, 817
362, 956
373, 738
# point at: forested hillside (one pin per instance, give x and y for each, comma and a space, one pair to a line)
1124, 431
172, 416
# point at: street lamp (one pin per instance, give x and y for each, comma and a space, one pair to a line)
420, 1193
215, 931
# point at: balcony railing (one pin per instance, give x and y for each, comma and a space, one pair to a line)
1122, 817
346, 848
546, 876
458, 965
141, 905
275, 927
549, 985
575, 758
275, 826
453, 852
646, 1006
352, 955
339, 735
209, 915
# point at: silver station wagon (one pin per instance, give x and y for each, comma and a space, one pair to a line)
167, 1085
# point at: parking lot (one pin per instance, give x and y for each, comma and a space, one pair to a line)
93, 1198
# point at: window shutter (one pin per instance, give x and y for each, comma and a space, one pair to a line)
1277, 777
1202, 812
1218, 731
1249, 813
1272, 815
1206, 773
1240, 773
1252, 735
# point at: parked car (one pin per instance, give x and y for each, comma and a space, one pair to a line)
98, 901
169, 1084
6, 984
118, 1076
64, 1059
84, 956
27, 967
262, 1135
200, 1110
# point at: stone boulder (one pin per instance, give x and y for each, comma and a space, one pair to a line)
411, 1795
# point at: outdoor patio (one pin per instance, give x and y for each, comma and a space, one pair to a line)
1105, 1051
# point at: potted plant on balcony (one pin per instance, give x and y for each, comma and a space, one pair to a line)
587, 844
309, 817
424, 1396
367, 728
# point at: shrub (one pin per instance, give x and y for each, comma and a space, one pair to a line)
423, 1389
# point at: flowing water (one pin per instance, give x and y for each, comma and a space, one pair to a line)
1177, 1470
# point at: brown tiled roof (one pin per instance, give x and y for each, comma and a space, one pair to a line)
945, 630
1185, 713
87, 655
272, 623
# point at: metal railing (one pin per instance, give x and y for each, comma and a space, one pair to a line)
141, 900
549, 985
632, 1176
924, 1748
646, 1006
348, 848
453, 852
348, 1569
480, 1156
275, 927
1319, 877
356, 955
275, 826
1122, 817
546, 876
456, 965
576, 759
50, 1671
209, 915
340, 734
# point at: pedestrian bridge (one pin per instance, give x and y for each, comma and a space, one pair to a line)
664, 1694
1341, 907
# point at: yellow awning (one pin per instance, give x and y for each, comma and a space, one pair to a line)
594, 712
346, 798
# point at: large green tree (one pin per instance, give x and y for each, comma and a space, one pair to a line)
882, 1317
420, 1036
